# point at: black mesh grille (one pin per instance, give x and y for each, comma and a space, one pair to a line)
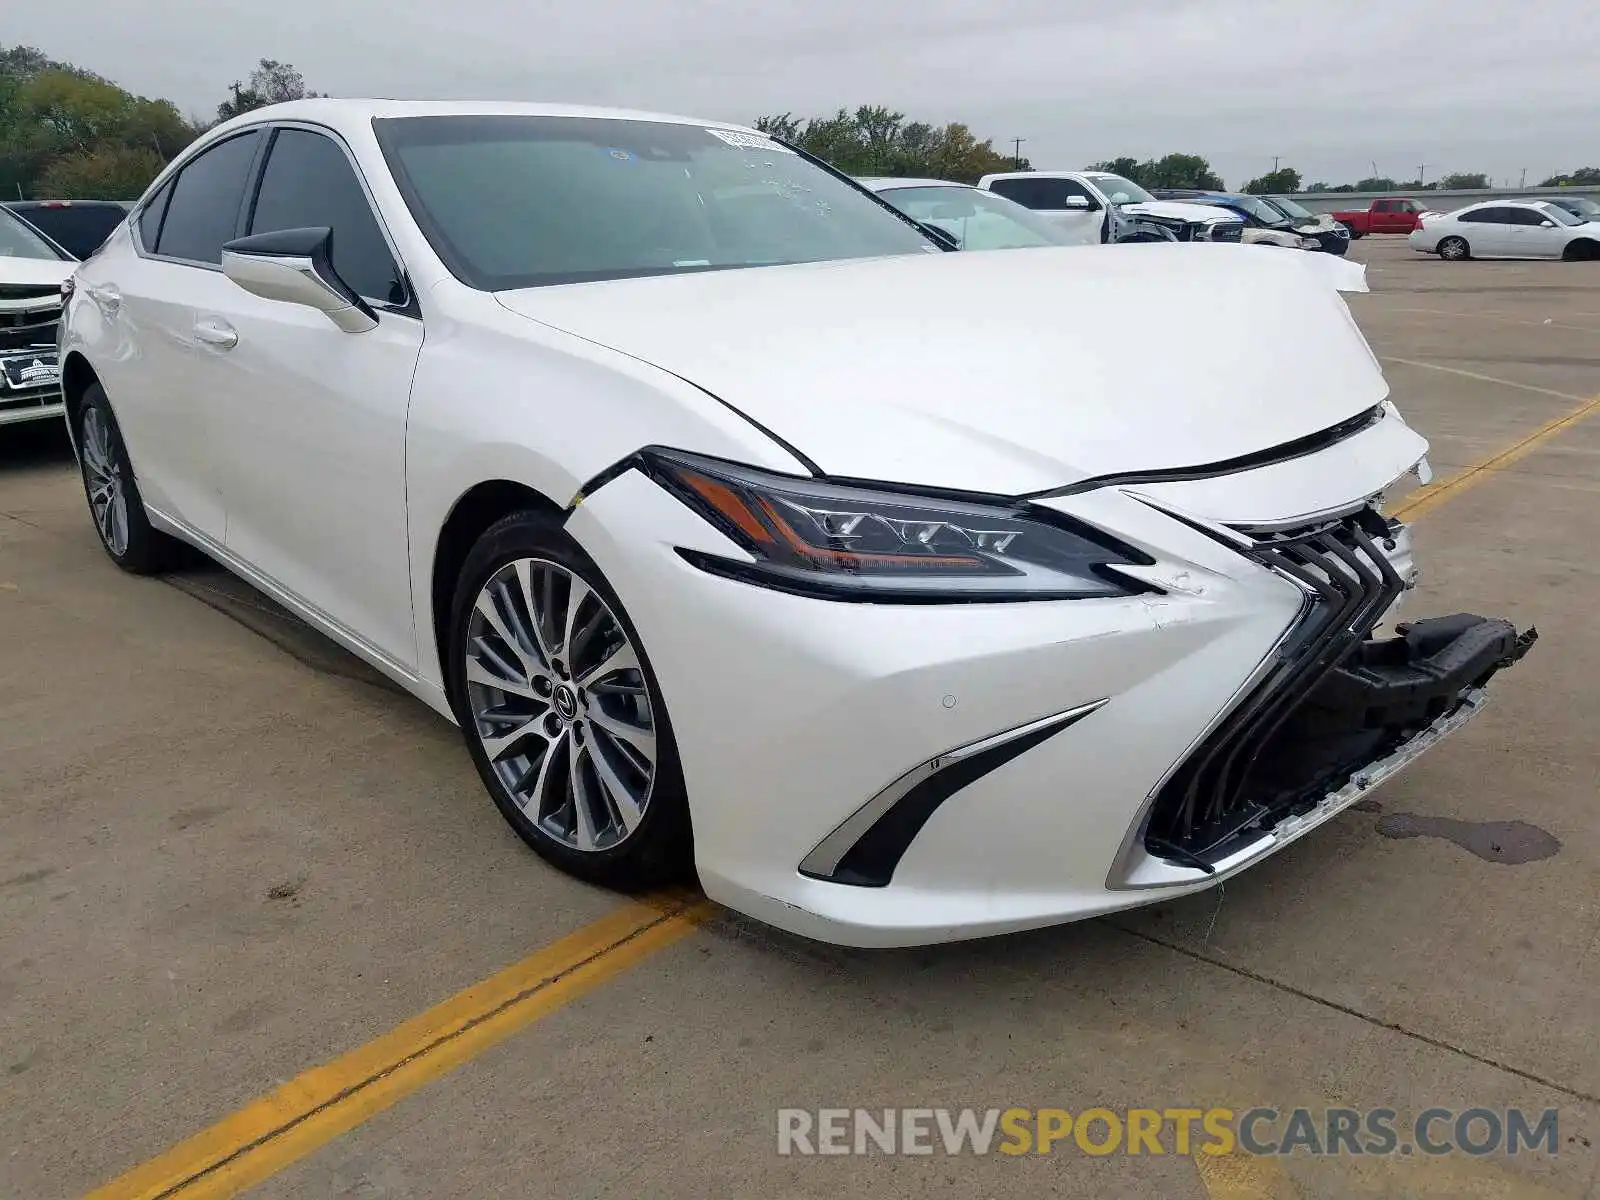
29, 330
1208, 807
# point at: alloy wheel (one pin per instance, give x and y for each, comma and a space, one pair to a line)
559, 705
108, 499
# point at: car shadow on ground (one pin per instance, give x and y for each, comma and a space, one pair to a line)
34, 444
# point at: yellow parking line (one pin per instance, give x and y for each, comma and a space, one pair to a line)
1241, 1176
270, 1133
1434, 494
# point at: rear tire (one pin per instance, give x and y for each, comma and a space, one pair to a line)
1455, 249
561, 711
113, 492
1582, 250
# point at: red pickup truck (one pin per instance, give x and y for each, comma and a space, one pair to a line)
1394, 214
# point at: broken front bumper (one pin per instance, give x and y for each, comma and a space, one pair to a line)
1279, 768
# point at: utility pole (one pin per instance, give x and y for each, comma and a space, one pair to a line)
1422, 174
1275, 164
1524, 182
1016, 152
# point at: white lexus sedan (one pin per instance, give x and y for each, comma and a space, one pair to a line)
903, 595
1507, 229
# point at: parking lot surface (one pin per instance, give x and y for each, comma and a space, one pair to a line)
231, 855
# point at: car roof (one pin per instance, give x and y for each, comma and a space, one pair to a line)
346, 114
122, 204
881, 183
1518, 203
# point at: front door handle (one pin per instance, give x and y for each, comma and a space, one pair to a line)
214, 331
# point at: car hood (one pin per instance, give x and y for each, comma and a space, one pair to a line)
1205, 214
30, 272
1004, 372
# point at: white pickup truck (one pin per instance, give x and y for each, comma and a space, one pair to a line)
1097, 206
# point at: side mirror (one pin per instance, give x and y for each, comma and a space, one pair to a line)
1080, 203
296, 266
1547, 224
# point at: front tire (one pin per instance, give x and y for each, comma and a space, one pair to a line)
561, 711
1454, 249
113, 492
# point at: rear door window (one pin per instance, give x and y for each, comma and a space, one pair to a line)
203, 212
150, 216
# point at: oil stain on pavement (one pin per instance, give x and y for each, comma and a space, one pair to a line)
1509, 842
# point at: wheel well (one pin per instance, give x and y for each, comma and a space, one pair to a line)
1582, 250
479, 508
77, 377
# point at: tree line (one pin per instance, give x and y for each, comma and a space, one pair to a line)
66, 132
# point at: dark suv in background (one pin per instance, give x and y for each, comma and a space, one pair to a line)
78, 226
1266, 213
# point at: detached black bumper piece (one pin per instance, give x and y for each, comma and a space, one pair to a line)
1280, 755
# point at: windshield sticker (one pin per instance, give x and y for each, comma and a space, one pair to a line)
747, 141
622, 155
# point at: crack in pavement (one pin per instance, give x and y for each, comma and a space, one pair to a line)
1378, 1022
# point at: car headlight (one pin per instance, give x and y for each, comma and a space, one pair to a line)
878, 543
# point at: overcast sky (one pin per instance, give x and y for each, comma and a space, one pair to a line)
1331, 87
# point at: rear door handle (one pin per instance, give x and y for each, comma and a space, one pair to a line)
214, 331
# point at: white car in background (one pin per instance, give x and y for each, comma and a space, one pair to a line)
975, 219
972, 218
1507, 229
903, 595
32, 270
1097, 206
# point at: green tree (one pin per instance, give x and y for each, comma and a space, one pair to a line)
874, 140
111, 172
1582, 177
1376, 183
1461, 181
1283, 181
272, 82
65, 131
1170, 171
1128, 168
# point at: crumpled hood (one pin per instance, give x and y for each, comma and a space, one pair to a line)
1007, 371
31, 272
1205, 214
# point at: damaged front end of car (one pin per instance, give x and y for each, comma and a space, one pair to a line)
1337, 709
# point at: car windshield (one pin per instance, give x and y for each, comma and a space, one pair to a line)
1580, 205
513, 201
1559, 215
1259, 209
977, 220
1119, 190
18, 240
1298, 211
